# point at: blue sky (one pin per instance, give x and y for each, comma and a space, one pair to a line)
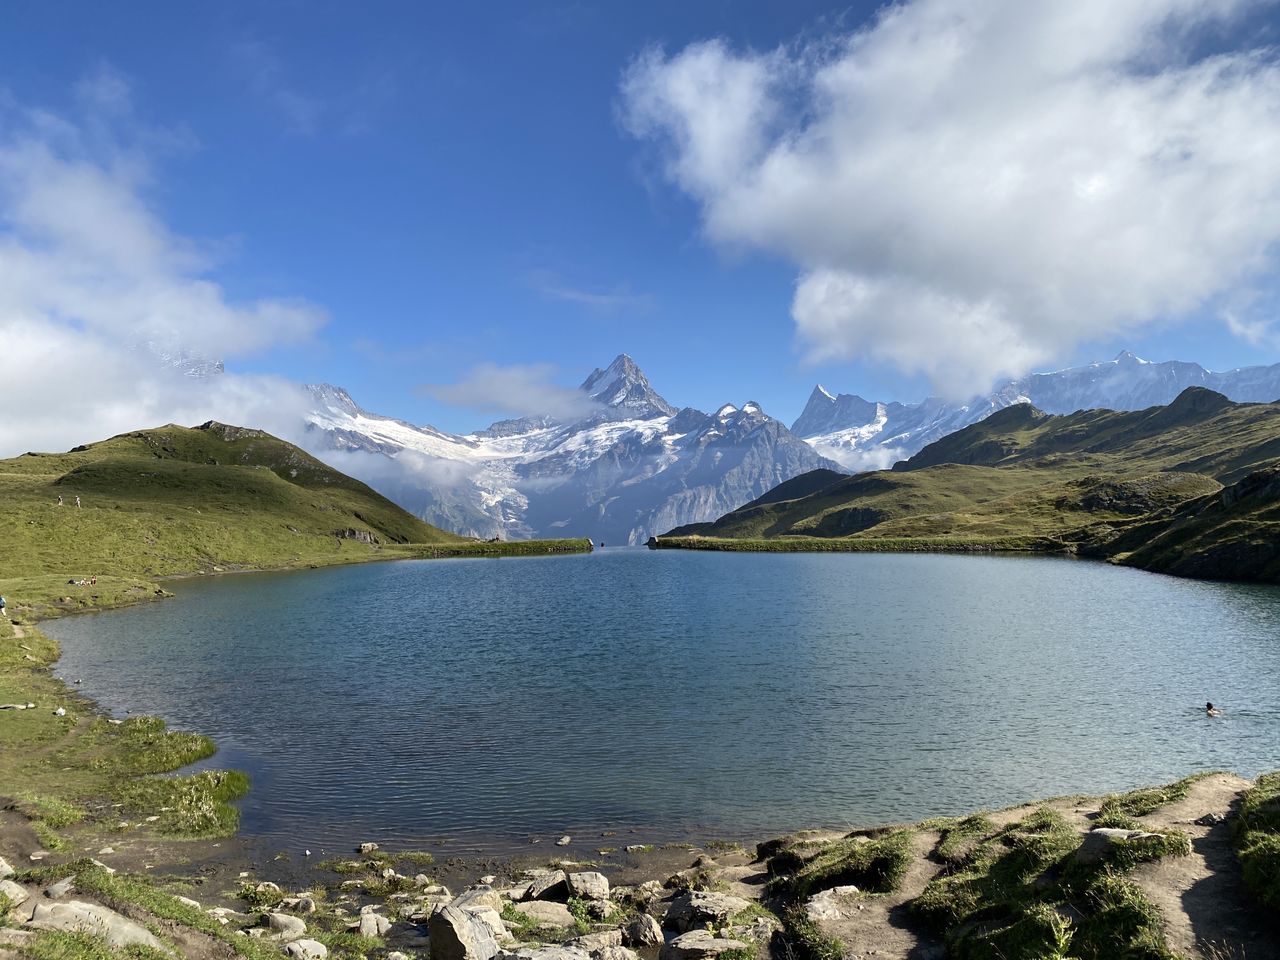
456, 184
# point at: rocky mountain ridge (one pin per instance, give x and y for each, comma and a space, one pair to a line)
863, 434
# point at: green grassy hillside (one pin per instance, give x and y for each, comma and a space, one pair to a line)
1143, 487
178, 500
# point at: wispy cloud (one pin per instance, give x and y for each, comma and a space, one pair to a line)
267, 80
521, 390
607, 300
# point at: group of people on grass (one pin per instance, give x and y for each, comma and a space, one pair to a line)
60, 502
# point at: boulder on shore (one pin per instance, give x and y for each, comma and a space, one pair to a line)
698, 945
546, 912
700, 909
457, 935
75, 916
588, 885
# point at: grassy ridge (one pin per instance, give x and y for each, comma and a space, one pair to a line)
177, 500
1144, 488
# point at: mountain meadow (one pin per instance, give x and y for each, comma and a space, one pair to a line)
1190, 488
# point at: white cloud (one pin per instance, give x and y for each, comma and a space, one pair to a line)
95, 290
521, 390
969, 188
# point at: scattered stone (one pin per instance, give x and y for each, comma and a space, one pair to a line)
368, 848
643, 931
15, 894
704, 862
6, 868
15, 938
397, 955
457, 935
1209, 820
552, 885
482, 897
267, 887
106, 851
588, 886
545, 953
285, 926
60, 712
489, 880
828, 904
194, 904
700, 909
649, 891
698, 944
373, 925
76, 916
564, 841
601, 909
591, 942
153, 818
546, 912
635, 848
614, 953
110, 871
306, 950
226, 914
56, 891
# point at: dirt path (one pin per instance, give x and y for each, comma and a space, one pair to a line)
1207, 912
882, 926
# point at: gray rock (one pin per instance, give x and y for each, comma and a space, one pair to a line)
698, 944
643, 931
601, 909
14, 893
614, 953
193, 904
6, 868
830, 904
74, 915
306, 950
368, 848
397, 955
552, 952
1097, 842
457, 935
373, 925
285, 926
546, 912
700, 909
589, 885
564, 841
478, 897
598, 940
64, 887
14, 938
549, 886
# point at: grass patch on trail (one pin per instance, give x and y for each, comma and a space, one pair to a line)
1019, 892
1257, 839
1119, 810
873, 865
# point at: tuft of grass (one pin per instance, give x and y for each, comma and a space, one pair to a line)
961, 840
54, 811
1117, 810
873, 865
807, 939
527, 930
578, 908
62, 945
1257, 839
419, 858
195, 806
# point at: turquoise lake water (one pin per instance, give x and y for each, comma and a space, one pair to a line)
470, 705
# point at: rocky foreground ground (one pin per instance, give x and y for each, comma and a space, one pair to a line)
1154, 873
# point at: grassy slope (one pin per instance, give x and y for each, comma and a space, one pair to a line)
1143, 486
175, 500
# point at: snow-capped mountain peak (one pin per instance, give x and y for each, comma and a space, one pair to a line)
623, 386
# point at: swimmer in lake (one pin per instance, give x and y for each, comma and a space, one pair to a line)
1211, 711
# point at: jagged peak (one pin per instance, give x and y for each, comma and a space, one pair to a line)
821, 394
624, 386
727, 410
751, 407
1126, 356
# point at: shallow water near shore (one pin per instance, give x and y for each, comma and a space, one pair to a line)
467, 706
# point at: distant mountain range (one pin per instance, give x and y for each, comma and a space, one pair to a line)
631, 467
866, 435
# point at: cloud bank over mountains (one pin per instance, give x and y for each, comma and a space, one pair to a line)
970, 189
105, 312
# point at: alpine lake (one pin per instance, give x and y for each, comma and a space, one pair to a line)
474, 706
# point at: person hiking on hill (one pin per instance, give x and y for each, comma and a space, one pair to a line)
1211, 711
59, 499
3, 614
77, 500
